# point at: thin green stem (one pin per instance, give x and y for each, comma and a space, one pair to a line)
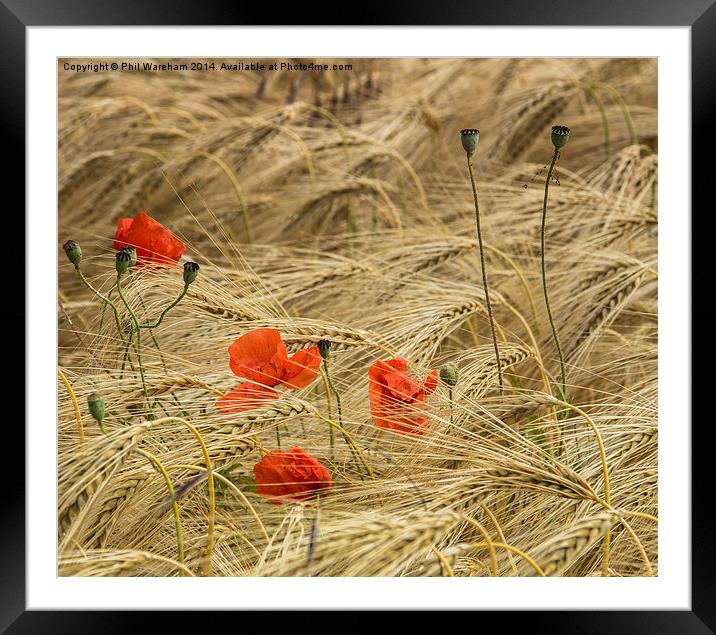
326, 385
139, 346
126, 357
103, 298
314, 533
555, 156
350, 442
452, 421
484, 275
169, 308
154, 339
104, 307
334, 391
340, 412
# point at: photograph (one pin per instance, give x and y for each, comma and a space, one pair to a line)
357, 317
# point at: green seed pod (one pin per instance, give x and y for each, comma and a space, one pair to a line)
73, 251
96, 407
122, 260
560, 136
449, 374
191, 271
470, 137
324, 348
132, 255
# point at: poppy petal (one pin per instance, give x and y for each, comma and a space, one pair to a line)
404, 425
397, 400
301, 369
401, 385
246, 396
431, 383
120, 236
259, 356
387, 366
154, 243
294, 475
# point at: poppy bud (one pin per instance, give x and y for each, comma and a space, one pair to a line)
191, 271
560, 136
324, 348
470, 137
122, 260
132, 255
449, 374
96, 407
73, 251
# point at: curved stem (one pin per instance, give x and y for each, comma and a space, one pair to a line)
484, 275
520, 275
171, 306
126, 358
501, 535
161, 355
538, 355
232, 486
338, 400
544, 274
605, 473
625, 110
75, 405
587, 88
326, 386
139, 345
235, 184
443, 561
644, 515
104, 308
488, 541
175, 506
210, 479
104, 299
519, 552
350, 442
639, 546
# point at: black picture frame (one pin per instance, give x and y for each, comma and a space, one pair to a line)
700, 15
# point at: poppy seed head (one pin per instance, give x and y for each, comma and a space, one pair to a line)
96, 406
132, 255
122, 260
470, 137
324, 348
560, 136
449, 374
73, 251
191, 270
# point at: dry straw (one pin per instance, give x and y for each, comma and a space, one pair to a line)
338, 207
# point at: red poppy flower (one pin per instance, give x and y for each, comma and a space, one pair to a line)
154, 243
294, 475
260, 357
397, 399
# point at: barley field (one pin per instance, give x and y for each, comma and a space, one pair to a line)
337, 208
